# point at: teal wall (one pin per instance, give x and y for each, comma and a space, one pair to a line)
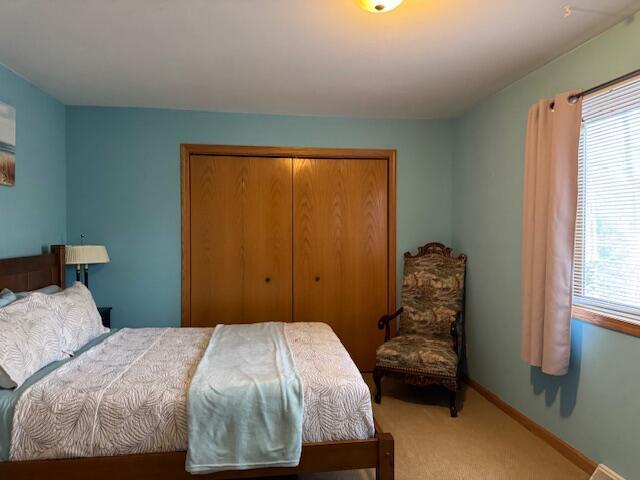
595, 407
33, 212
123, 172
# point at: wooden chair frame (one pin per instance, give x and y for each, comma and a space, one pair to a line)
416, 377
31, 273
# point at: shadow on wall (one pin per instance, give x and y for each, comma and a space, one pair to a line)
567, 385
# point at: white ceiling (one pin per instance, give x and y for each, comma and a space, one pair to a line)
426, 59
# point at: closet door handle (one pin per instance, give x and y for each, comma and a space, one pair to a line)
317, 279
268, 279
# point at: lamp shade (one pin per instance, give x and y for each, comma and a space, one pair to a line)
85, 254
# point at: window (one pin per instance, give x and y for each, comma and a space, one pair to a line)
607, 245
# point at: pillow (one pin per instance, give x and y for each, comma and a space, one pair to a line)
78, 316
6, 297
30, 338
48, 290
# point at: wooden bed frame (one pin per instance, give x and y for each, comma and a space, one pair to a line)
31, 273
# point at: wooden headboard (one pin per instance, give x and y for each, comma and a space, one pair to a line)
22, 274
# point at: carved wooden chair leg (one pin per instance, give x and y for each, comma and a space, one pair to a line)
377, 379
453, 407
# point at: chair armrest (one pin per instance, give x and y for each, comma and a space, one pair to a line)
384, 322
456, 333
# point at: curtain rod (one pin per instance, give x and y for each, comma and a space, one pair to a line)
602, 86
606, 85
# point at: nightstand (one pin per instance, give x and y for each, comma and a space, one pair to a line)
105, 313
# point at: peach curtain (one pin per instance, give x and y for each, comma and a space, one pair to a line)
549, 215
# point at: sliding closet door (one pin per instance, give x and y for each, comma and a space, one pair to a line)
340, 240
240, 217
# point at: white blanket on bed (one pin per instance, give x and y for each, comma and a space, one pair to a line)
245, 402
128, 395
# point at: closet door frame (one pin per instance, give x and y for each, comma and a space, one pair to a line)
188, 150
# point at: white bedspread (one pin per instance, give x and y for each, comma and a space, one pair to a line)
128, 395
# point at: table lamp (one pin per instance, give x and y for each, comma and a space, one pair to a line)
86, 255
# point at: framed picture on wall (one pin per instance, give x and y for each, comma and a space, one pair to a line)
7, 145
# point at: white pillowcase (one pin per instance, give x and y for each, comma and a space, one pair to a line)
31, 336
78, 315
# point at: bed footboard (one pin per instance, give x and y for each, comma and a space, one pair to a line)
377, 452
386, 457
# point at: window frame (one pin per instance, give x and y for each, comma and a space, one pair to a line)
590, 311
604, 319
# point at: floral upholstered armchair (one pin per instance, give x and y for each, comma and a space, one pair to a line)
429, 346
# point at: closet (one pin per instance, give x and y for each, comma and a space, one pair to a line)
280, 234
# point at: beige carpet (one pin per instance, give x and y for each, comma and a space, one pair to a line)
482, 443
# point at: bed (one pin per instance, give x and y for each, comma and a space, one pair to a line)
325, 448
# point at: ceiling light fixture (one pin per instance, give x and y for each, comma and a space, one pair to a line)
379, 6
568, 10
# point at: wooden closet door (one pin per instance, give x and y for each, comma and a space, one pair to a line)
240, 240
340, 250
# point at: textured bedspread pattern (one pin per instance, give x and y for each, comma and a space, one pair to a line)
128, 394
125, 395
245, 402
337, 401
